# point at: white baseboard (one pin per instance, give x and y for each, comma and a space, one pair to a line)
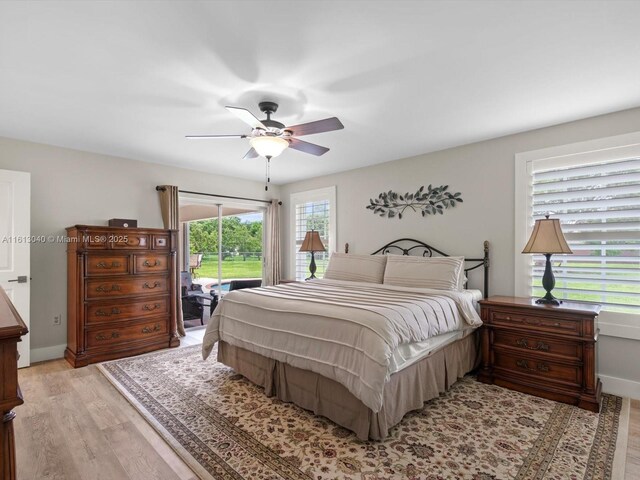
620, 386
47, 353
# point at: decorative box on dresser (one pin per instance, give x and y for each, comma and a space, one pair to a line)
121, 292
11, 329
543, 350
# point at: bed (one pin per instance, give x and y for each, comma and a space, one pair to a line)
364, 347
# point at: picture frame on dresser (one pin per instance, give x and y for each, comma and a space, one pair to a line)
541, 349
121, 292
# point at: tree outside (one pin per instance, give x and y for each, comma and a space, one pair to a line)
241, 247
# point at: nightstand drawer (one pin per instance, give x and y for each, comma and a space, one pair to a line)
529, 342
545, 369
545, 323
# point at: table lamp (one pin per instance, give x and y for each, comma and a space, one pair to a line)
312, 243
547, 239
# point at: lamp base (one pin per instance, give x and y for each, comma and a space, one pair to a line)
548, 301
312, 267
548, 282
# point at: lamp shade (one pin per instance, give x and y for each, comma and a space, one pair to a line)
547, 237
312, 242
269, 146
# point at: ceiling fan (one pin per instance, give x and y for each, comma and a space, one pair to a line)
269, 138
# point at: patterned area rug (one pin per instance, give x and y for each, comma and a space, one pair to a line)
225, 428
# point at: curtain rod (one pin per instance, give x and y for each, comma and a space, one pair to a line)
162, 189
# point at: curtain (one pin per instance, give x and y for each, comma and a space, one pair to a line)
271, 274
170, 217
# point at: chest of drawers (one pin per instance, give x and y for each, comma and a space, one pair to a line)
121, 292
543, 350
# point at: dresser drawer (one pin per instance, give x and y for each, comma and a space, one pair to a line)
94, 241
545, 369
551, 324
107, 265
123, 334
118, 287
101, 312
161, 242
529, 342
151, 263
130, 241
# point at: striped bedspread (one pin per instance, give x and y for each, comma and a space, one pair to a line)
346, 331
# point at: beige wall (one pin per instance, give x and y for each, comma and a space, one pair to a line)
484, 173
71, 187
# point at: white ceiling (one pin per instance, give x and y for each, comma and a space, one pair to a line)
132, 78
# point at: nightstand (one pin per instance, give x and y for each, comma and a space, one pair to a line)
543, 350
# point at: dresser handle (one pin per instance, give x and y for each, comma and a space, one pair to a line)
151, 309
538, 323
147, 263
532, 322
101, 336
106, 289
525, 344
155, 284
102, 313
540, 366
104, 265
156, 328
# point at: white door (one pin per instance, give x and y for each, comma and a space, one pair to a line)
15, 229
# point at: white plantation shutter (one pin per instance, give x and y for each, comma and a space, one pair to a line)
599, 209
312, 215
312, 209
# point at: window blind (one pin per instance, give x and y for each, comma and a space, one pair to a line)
312, 215
599, 209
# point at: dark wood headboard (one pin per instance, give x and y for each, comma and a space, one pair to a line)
409, 246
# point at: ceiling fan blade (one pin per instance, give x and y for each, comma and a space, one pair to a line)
319, 126
307, 147
247, 117
205, 137
250, 154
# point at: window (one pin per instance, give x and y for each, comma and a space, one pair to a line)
596, 195
312, 210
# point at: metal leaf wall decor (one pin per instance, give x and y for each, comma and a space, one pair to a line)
430, 202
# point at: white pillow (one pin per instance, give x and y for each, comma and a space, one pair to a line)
356, 268
442, 273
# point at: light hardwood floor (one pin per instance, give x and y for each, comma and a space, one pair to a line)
75, 425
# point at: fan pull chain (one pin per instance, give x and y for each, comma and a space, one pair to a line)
268, 175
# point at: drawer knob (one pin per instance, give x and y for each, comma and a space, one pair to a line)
104, 265
523, 342
147, 263
540, 366
151, 308
155, 285
102, 313
102, 336
106, 288
156, 328
508, 317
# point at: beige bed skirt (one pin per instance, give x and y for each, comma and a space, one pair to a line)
406, 390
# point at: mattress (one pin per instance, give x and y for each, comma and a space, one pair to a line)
410, 353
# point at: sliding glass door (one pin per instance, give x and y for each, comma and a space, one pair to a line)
237, 256
223, 242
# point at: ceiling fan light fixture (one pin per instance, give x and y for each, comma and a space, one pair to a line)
268, 146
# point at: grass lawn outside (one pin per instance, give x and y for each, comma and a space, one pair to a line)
591, 290
232, 267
